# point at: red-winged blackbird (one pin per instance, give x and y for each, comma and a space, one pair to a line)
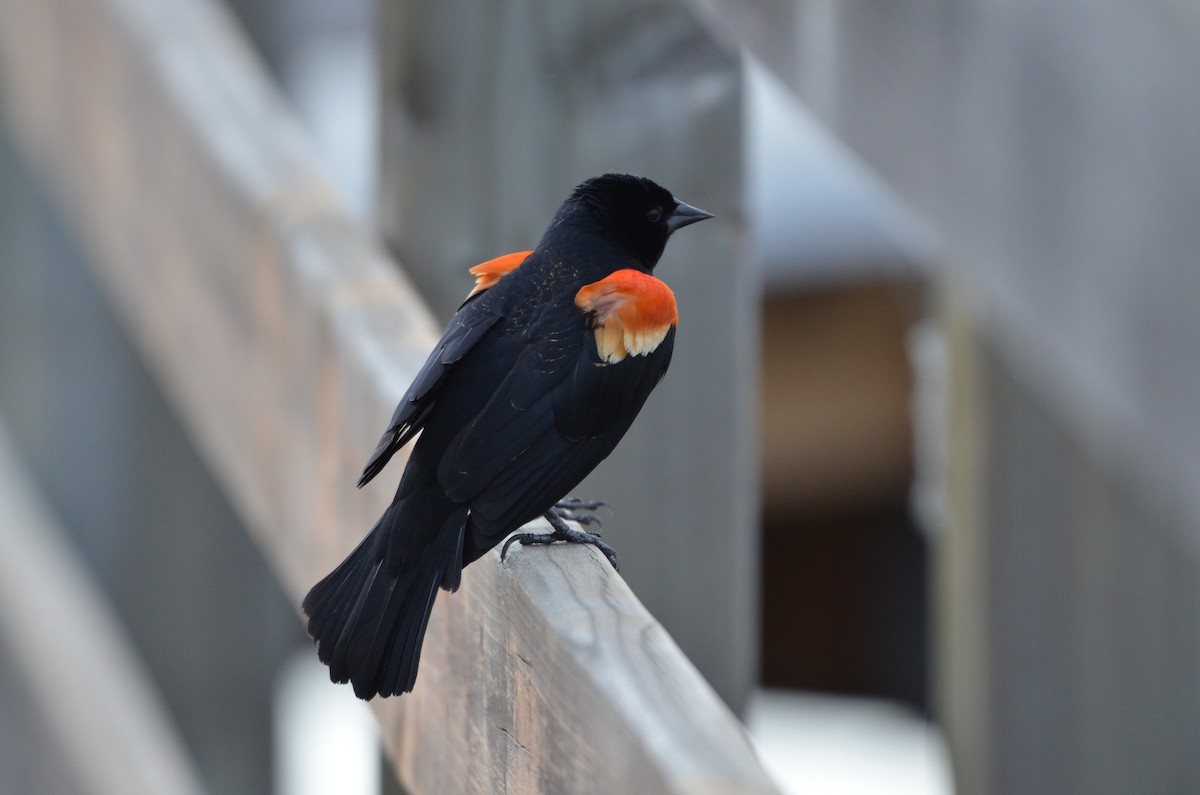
535, 380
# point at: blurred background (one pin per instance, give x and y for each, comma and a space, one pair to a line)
920, 497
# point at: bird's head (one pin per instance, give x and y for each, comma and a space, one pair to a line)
636, 213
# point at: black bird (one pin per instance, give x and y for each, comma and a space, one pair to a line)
535, 380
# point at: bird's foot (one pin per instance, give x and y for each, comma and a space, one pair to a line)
576, 504
562, 532
580, 511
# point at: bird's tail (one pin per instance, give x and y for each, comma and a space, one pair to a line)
369, 615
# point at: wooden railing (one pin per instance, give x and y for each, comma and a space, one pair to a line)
283, 335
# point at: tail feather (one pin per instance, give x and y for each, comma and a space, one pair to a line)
369, 615
401, 654
368, 609
333, 598
399, 662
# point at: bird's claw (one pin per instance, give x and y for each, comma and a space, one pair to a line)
573, 509
576, 504
585, 519
614, 559
562, 532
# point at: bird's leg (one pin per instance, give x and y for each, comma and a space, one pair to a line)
574, 509
563, 532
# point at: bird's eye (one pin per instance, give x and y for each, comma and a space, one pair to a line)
655, 215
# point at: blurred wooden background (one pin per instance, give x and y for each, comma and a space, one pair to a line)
1052, 148
958, 475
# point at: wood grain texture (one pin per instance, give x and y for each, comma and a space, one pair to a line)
558, 655
283, 337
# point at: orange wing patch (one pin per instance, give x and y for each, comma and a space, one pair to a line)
488, 273
631, 313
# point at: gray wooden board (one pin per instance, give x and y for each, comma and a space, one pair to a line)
78, 666
1068, 610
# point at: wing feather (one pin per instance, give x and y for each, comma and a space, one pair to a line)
517, 458
473, 320
469, 326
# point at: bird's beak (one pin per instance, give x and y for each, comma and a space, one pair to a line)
685, 214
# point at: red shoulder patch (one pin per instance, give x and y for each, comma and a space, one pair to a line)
631, 313
488, 273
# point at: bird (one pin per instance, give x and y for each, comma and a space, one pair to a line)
536, 378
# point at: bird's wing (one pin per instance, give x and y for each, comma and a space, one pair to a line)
467, 327
579, 424
581, 378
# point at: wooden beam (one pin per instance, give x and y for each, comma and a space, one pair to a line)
284, 337
112, 729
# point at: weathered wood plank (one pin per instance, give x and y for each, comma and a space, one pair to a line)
284, 337
112, 729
